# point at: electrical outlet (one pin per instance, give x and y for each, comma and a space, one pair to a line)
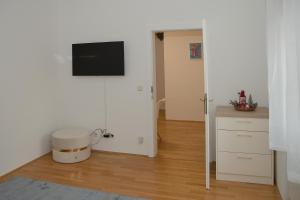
140, 88
140, 140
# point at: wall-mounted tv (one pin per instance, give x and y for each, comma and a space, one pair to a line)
98, 59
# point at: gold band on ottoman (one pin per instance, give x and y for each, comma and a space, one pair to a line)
72, 150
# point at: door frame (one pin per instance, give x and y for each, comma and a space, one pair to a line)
151, 101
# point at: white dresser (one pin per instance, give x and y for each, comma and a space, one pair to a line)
243, 152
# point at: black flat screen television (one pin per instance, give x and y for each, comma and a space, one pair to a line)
98, 59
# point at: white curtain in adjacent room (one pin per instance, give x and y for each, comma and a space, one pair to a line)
283, 37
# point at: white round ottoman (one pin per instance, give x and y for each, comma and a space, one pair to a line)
71, 145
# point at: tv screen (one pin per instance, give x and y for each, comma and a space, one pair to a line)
98, 59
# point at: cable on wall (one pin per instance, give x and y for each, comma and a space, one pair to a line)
105, 104
99, 133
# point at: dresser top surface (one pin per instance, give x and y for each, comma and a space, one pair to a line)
229, 111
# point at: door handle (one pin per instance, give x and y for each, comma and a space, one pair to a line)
205, 102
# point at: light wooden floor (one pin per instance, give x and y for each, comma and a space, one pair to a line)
176, 173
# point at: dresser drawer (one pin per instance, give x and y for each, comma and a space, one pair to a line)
244, 164
243, 142
246, 124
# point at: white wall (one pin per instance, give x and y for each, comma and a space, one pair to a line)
236, 56
27, 73
184, 77
30, 35
160, 70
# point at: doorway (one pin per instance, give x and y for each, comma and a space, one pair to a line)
180, 92
180, 74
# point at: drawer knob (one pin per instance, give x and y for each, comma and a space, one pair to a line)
244, 158
243, 121
244, 135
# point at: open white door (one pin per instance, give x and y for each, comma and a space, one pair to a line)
206, 105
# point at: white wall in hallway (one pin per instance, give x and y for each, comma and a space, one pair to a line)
184, 77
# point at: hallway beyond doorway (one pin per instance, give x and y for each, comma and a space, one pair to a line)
182, 140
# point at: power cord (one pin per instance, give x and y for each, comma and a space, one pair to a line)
100, 133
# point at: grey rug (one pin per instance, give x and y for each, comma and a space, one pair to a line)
20, 188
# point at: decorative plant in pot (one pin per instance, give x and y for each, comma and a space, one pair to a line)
242, 104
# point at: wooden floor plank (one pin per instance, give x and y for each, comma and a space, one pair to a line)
177, 173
